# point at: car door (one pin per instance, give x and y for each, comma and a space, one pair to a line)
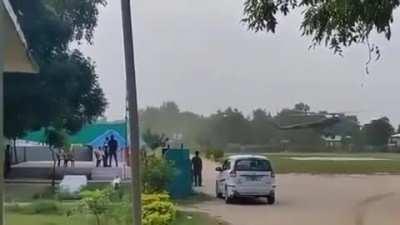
223, 175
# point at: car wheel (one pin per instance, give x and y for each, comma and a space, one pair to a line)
217, 192
228, 199
271, 199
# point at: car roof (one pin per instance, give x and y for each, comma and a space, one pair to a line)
236, 157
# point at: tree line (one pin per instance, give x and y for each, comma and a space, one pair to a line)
230, 128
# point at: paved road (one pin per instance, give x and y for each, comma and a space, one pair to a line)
315, 200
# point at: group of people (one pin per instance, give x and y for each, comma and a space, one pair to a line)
107, 152
67, 156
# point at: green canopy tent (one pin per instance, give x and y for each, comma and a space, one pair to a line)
91, 134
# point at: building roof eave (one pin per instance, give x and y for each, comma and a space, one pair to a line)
29, 63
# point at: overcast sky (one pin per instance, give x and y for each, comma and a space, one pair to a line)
198, 54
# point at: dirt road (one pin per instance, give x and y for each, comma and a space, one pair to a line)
314, 200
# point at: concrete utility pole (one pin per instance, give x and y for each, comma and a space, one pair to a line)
3, 35
132, 112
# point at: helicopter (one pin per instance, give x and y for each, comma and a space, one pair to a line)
325, 120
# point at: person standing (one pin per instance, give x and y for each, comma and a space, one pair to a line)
106, 152
7, 161
59, 156
113, 147
71, 155
98, 153
197, 166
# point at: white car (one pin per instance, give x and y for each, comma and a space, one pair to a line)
246, 176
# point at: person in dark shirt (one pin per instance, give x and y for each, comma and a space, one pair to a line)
106, 152
113, 147
197, 166
7, 161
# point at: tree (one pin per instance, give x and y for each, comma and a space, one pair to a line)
56, 138
153, 140
169, 120
170, 108
335, 24
378, 132
229, 126
97, 203
263, 130
301, 107
67, 90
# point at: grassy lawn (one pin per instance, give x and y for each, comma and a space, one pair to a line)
20, 219
186, 218
27, 192
284, 164
20, 192
183, 218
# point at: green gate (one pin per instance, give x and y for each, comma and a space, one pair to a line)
181, 185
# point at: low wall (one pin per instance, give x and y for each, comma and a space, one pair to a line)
42, 153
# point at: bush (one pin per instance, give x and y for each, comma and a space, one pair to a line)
46, 207
97, 203
156, 174
48, 193
67, 196
37, 207
158, 209
218, 154
215, 154
14, 207
209, 153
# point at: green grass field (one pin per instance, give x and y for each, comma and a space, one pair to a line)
19, 219
183, 218
283, 163
27, 193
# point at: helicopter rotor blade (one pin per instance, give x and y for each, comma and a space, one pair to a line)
323, 123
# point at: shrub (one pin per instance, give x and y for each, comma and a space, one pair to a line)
44, 207
209, 153
67, 196
14, 207
157, 209
97, 203
156, 174
218, 154
214, 153
48, 193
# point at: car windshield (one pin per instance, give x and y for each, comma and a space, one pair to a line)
252, 164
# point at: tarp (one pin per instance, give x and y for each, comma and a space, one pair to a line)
89, 134
100, 140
